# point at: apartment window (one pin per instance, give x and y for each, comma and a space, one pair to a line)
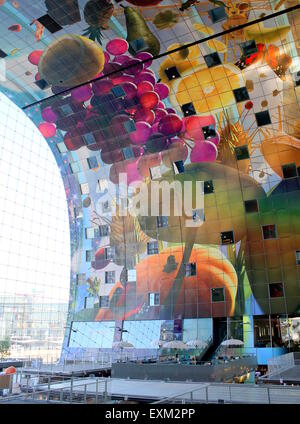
103, 185
110, 277
89, 139
242, 152
80, 279
2, 54
172, 73
49, 23
208, 187
131, 275
127, 153
129, 126
42, 84
152, 247
263, 118
84, 188
89, 302
190, 269
227, 237
276, 290
118, 91
90, 233
212, 59
298, 257
217, 14
162, 221
155, 172
75, 167
89, 255
61, 147
103, 230
92, 162
188, 109
178, 167
104, 302
289, 170
249, 47
217, 295
209, 132
110, 253
106, 206
153, 299
241, 94
269, 231
66, 110
251, 206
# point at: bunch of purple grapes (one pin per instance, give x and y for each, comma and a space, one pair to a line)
122, 114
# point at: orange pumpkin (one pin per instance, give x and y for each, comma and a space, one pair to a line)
157, 273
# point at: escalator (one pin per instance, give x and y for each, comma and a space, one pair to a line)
219, 334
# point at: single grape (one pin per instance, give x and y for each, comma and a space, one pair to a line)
171, 110
119, 79
117, 46
133, 67
170, 124
141, 134
161, 105
48, 115
159, 113
82, 94
122, 59
149, 100
145, 56
142, 114
145, 76
130, 90
47, 129
102, 87
162, 90
34, 57
111, 67
143, 87
106, 57
204, 151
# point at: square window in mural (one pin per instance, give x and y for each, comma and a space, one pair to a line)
138, 45
110, 253
155, 172
172, 73
227, 237
89, 255
190, 269
178, 167
263, 118
49, 23
289, 170
212, 59
249, 47
162, 221
127, 153
208, 187
103, 230
84, 188
188, 109
241, 94
153, 299
42, 84
103, 185
276, 290
298, 257
2, 54
61, 147
110, 277
209, 132
217, 295
131, 275
251, 206
118, 91
217, 14
104, 302
269, 231
152, 247
106, 207
66, 110
92, 162
241, 152
89, 139
129, 126
75, 167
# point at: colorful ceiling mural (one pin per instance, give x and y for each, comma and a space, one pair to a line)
168, 91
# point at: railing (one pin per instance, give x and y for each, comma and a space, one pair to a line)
67, 391
230, 393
